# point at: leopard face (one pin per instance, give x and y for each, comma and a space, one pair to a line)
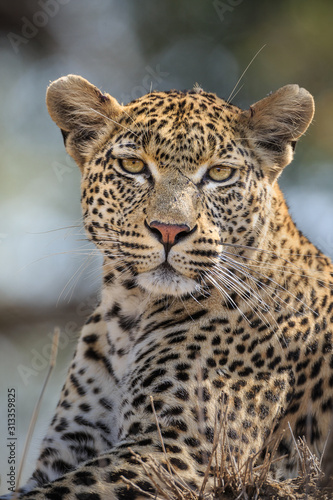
172, 186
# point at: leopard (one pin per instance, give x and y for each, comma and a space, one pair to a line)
215, 310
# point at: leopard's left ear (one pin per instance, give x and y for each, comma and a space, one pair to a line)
275, 123
82, 112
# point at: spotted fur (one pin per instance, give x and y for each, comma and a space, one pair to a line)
213, 302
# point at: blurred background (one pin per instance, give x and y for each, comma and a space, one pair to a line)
127, 47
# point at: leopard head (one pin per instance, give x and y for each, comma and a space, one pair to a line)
173, 181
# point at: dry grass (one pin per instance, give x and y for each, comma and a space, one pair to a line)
225, 479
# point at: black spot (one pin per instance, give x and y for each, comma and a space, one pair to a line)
84, 478
204, 394
182, 394
106, 404
240, 348
163, 386
85, 407
62, 425
154, 375
276, 361
114, 311
135, 428
114, 477
65, 404
263, 412
61, 466
139, 400
168, 357
316, 368
90, 339
80, 390
201, 457
179, 424
48, 452
128, 323
294, 355
87, 496
327, 405
78, 437
95, 318
232, 434
178, 463
191, 441
211, 362
129, 284
317, 390
57, 493
158, 404
216, 340
90, 353
301, 379
144, 442
237, 403
173, 410
169, 434
245, 372
209, 433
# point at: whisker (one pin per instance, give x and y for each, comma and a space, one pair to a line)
114, 121
242, 75
226, 295
317, 275
254, 308
246, 296
73, 279
278, 285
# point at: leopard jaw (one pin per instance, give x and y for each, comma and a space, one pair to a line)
164, 280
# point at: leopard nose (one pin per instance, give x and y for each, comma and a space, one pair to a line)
169, 234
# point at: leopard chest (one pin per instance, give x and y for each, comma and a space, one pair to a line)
209, 364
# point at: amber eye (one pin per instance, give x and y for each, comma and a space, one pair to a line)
220, 173
132, 165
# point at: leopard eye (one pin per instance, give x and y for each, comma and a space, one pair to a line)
220, 173
132, 165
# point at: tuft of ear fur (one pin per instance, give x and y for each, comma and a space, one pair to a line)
275, 124
82, 112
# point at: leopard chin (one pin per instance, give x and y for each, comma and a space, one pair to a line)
165, 280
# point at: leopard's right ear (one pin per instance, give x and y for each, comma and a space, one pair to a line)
274, 125
82, 112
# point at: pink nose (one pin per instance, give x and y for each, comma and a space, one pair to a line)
169, 234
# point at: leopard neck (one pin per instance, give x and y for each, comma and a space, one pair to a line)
283, 261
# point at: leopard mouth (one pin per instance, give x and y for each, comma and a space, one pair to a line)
166, 280
167, 269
